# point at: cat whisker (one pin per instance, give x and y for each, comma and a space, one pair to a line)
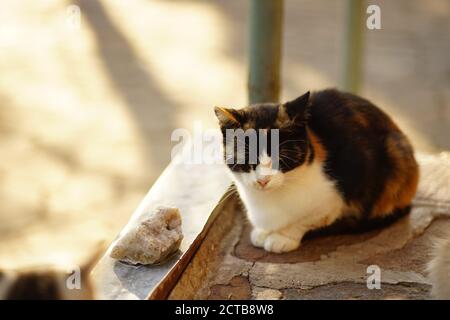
285, 157
287, 141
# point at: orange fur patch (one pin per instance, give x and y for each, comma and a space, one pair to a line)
354, 209
319, 150
227, 114
361, 120
402, 186
282, 116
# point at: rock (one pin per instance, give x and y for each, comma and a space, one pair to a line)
153, 240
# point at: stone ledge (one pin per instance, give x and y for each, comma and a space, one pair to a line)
339, 272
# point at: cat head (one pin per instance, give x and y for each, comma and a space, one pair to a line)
269, 141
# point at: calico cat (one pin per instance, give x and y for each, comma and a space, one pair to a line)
339, 156
48, 282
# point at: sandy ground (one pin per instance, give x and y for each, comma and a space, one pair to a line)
86, 111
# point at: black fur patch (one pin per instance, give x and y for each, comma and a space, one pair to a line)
354, 225
357, 157
293, 142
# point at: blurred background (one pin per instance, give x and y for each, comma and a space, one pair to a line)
87, 104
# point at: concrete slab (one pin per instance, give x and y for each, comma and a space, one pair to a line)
196, 191
335, 266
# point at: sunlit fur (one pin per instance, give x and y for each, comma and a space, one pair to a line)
339, 156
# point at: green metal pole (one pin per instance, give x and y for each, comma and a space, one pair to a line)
353, 46
266, 20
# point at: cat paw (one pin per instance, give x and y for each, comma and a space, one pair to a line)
278, 243
258, 236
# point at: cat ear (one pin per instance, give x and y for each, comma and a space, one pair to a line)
298, 106
227, 116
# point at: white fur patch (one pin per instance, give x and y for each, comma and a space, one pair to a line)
290, 205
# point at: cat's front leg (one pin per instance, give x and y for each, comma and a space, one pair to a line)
258, 236
285, 240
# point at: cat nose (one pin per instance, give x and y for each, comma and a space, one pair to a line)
263, 181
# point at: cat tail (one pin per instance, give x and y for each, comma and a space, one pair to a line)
434, 193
